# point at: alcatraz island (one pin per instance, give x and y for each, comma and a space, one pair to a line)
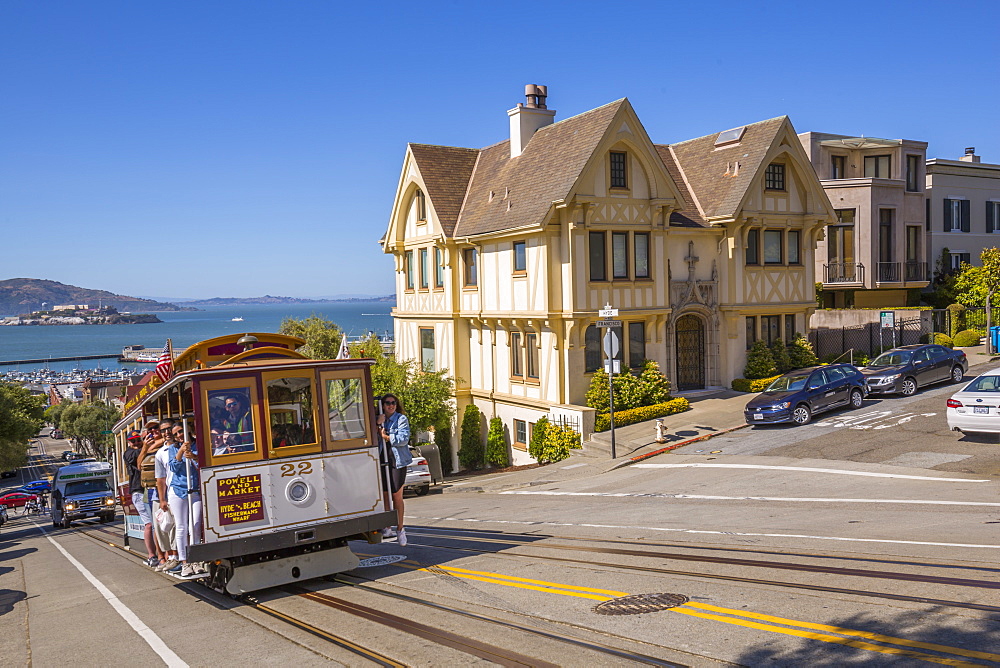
80, 314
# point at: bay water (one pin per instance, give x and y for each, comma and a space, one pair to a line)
184, 328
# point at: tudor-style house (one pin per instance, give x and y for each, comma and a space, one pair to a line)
505, 254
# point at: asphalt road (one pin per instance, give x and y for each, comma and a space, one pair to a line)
768, 557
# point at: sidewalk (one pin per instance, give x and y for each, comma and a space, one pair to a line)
713, 412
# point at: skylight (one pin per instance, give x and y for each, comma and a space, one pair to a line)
730, 136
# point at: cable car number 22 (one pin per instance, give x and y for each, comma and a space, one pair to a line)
288, 470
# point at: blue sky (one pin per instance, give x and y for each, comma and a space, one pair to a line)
227, 148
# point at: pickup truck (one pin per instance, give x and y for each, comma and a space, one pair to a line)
83, 490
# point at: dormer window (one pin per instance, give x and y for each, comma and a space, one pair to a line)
421, 205
619, 171
774, 177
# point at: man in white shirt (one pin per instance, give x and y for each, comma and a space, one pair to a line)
166, 539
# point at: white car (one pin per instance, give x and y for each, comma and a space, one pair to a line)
418, 475
976, 407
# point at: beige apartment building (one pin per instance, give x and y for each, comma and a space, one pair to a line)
875, 253
963, 210
505, 254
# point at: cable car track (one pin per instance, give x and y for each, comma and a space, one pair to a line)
982, 584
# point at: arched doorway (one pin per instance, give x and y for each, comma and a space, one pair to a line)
690, 333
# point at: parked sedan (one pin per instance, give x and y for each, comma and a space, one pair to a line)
976, 407
905, 369
36, 486
798, 395
418, 475
16, 499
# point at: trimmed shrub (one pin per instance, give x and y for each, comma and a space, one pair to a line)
942, 340
623, 418
496, 446
470, 455
760, 362
649, 387
966, 338
536, 446
655, 386
442, 438
956, 319
779, 352
755, 385
559, 440
801, 353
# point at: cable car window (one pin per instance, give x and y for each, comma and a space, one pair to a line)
346, 408
290, 411
231, 422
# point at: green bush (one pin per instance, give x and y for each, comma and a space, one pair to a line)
553, 442
442, 438
470, 455
755, 385
641, 414
496, 446
649, 387
760, 362
801, 353
942, 340
966, 338
536, 446
957, 319
779, 353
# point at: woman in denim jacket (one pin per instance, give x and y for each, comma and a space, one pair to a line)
395, 430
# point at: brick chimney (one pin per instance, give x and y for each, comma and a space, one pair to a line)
970, 155
528, 117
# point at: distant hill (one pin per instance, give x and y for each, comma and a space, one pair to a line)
24, 295
268, 299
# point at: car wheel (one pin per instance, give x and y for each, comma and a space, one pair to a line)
957, 375
801, 414
422, 490
857, 399
909, 387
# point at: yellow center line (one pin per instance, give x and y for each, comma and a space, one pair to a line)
608, 594
851, 632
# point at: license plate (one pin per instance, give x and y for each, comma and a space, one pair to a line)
981, 410
758, 416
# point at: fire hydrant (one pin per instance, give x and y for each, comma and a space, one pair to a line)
660, 436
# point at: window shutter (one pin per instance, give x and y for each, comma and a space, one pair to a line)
947, 215
966, 217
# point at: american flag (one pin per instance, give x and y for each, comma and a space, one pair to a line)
165, 365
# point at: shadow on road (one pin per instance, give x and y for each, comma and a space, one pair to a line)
916, 626
8, 598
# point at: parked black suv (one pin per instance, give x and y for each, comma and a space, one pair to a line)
798, 395
905, 369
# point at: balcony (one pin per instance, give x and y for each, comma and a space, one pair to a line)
887, 272
915, 271
844, 272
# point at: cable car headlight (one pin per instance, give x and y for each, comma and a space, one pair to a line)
298, 491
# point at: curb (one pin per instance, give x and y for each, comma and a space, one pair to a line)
647, 455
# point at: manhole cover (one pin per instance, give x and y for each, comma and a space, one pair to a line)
384, 560
638, 604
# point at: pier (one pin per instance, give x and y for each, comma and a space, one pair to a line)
45, 360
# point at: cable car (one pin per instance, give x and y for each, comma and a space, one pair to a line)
289, 456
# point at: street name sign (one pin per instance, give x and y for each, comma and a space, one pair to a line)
609, 323
608, 313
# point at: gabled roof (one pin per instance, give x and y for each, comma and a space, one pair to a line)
705, 167
524, 187
446, 171
687, 213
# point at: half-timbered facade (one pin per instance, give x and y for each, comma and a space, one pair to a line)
505, 254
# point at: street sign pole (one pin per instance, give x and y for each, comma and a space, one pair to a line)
611, 350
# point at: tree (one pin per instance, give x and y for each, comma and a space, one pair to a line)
496, 446
88, 422
470, 455
21, 416
779, 352
322, 336
979, 286
426, 395
800, 353
53, 414
760, 362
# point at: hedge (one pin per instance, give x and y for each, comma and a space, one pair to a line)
966, 338
938, 338
747, 385
641, 414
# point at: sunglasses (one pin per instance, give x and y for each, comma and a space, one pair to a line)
154, 429
388, 403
